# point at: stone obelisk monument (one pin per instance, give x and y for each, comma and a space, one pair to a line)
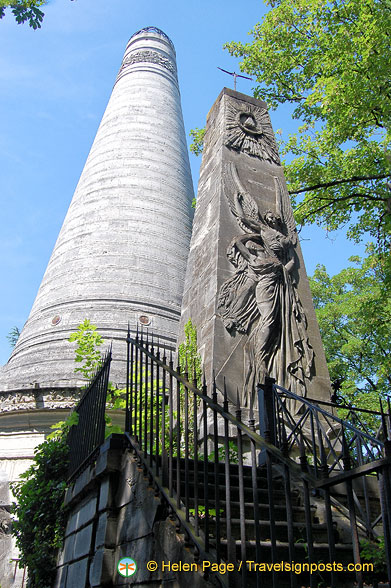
121, 253
246, 288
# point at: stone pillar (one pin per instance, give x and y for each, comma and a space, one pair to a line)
121, 253
246, 288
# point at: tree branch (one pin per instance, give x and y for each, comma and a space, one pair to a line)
330, 201
338, 182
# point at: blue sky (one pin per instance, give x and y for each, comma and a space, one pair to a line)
55, 84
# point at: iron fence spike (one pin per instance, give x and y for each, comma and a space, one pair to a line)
383, 420
204, 386
389, 417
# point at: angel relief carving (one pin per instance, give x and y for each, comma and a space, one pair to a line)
260, 299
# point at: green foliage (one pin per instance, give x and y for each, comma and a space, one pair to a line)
189, 362
233, 453
24, 11
374, 552
202, 512
61, 429
331, 62
197, 145
87, 350
40, 518
189, 358
13, 336
354, 313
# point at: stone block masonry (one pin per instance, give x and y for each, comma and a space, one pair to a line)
246, 288
121, 254
114, 513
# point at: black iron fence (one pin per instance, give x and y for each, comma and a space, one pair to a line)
243, 498
85, 438
352, 468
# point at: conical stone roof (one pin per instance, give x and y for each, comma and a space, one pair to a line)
121, 253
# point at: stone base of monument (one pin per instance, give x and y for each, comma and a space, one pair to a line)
26, 418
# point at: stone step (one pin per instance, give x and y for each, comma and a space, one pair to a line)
233, 478
319, 531
233, 468
279, 510
262, 493
344, 552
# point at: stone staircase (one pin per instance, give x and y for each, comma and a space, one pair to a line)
261, 553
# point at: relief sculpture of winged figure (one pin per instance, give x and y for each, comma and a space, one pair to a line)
260, 299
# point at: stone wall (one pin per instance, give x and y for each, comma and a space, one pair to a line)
114, 513
26, 418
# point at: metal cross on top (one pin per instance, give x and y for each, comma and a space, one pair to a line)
235, 75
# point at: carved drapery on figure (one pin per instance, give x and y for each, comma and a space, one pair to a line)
260, 299
249, 130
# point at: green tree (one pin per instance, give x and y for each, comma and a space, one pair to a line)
24, 10
331, 60
87, 350
40, 519
354, 314
188, 356
197, 136
13, 336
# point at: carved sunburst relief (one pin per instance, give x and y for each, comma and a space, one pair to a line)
249, 130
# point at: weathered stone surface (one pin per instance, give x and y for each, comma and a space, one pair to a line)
106, 531
141, 531
102, 566
80, 485
77, 574
68, 549
61, 577
142, 550
84, 513
105, 494
107, 462
82, 542
125, 238
246, 288
137, 501
132, 480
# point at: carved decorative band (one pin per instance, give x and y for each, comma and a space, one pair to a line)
148, 56
11, 401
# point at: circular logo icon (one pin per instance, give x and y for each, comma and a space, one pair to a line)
126, 567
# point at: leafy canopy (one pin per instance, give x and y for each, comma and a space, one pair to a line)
40, 518
354, 314
331, 60
24, 10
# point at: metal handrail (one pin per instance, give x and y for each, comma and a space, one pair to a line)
85, 438
181, 435
314, 407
